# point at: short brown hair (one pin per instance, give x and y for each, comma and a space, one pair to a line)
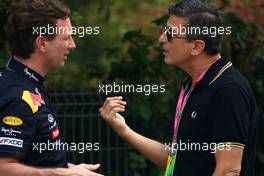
27, 15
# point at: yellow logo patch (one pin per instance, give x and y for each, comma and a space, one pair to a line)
33, 100
12, 120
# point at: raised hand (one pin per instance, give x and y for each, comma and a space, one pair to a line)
110, 113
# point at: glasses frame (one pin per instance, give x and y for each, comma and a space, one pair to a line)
170, 35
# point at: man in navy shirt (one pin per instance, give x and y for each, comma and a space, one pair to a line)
215, 119
28, 122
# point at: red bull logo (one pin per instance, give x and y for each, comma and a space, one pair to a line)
36, 99
33, 100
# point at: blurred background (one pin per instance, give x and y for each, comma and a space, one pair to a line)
126, 51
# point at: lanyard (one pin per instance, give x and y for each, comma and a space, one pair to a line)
182, 100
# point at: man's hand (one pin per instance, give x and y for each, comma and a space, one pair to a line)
83, 170
70, 165
151, 149
7, 166
109, 112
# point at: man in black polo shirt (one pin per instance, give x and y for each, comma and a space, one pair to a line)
215, 118
29, 126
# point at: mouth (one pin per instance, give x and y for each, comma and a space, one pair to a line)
66, 56
164, 51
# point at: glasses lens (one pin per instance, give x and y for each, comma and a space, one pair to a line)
168, 31
171, 34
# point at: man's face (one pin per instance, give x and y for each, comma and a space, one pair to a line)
59, 48
177, 50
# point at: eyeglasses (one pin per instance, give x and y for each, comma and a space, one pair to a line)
171, 34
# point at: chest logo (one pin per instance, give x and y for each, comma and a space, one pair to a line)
55, 133
194, 114
12, 121
9, 132
34, 100
30, 75
50, 118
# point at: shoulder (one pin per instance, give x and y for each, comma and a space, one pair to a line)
232, 90
11, 85
232, 83
15, 90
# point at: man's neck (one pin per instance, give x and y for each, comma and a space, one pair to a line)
33, 63
199, 65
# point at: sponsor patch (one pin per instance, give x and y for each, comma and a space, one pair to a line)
53, 125
33, 100
55, 133
12, 121
50, 118
10, 131
11, 142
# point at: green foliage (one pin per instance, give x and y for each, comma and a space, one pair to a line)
135, 65
4, 10
137, 166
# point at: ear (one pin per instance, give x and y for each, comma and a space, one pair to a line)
40, 44
198, 47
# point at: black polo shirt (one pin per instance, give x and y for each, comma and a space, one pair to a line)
28, 122
221, 110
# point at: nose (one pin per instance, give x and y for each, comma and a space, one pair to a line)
163, 38
72, 43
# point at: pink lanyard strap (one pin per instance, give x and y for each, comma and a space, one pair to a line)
182, 100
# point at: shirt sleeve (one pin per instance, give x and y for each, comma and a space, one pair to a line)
17, 129
230, 116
